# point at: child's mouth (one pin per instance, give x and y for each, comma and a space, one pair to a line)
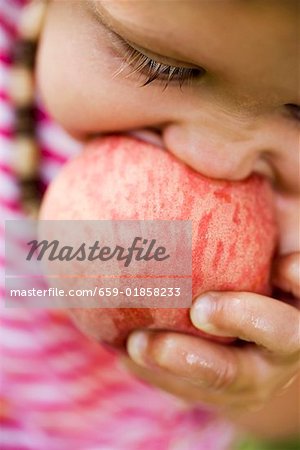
150, 135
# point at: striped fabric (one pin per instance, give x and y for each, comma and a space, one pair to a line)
58, 390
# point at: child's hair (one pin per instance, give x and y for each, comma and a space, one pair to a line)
22, 92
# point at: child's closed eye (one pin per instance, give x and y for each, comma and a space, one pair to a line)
152, 69
144, 62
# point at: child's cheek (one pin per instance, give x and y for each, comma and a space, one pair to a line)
74, 74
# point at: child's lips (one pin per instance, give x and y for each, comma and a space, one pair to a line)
148, 135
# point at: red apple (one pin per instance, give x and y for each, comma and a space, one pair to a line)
234, 230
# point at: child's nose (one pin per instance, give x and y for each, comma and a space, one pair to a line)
218, 152
232, 150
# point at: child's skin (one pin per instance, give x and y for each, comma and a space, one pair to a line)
227, 123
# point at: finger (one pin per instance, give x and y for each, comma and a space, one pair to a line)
211, 366
251, 317
169, 382
184, 356
286, 273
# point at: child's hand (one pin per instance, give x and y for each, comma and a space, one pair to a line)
234, 376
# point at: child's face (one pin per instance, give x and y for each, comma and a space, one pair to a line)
226, 122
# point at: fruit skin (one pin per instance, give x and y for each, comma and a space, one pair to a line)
234, 229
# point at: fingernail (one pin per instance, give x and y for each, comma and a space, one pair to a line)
137, 346
201, 312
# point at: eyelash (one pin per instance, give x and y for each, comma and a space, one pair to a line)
153, 70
